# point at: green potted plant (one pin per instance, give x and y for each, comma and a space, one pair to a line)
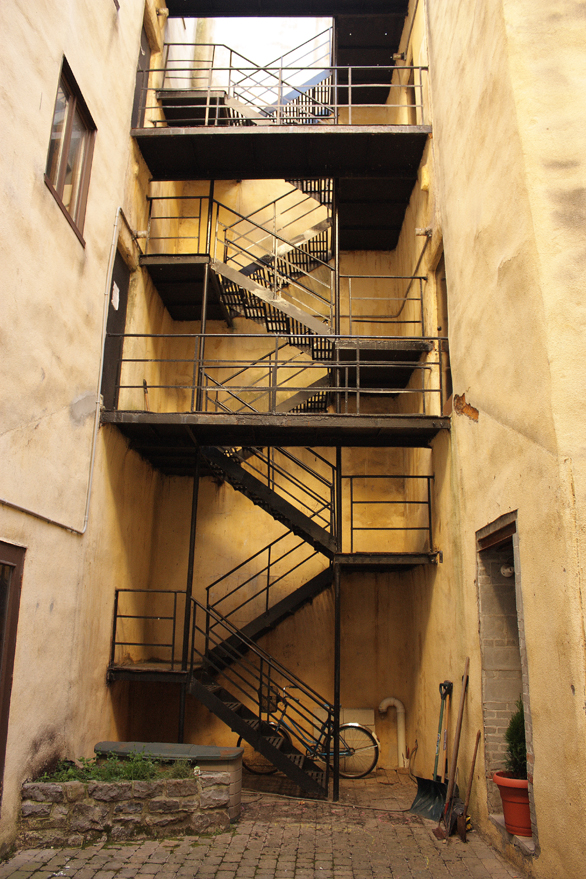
512, 781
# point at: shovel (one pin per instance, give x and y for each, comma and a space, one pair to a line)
439, 831
431, 795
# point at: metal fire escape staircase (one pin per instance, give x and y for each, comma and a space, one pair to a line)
228, 671
270, 268
220, 87
241, 684
266, 264
235, 679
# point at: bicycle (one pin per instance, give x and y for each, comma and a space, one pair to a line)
359, 750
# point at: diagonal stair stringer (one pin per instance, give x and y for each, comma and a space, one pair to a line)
313, 324
280, 509
233, 648
242, 721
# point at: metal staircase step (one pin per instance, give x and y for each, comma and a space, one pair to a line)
295, 402
232, 649
321, 189
313, 324
275, 741
297, 759
292, 763
280, 509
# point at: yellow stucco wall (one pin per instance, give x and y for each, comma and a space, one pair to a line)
51, 334
500, 190
508, 145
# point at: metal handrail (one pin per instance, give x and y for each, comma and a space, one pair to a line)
164, 645
230, 603
249, 404
321, 92
253, 648
346, 377
303, 496
386, 529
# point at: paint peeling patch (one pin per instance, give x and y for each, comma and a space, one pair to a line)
461, 407
82, 407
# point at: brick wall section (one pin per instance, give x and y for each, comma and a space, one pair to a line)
502, 681
76, 813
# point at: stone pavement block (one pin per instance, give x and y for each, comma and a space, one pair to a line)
281, 839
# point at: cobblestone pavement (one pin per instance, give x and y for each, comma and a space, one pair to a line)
278, 838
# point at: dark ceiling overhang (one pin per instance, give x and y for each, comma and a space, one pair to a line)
289, 151
284, 8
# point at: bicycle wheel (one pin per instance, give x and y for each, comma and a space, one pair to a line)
358, 751
256, 762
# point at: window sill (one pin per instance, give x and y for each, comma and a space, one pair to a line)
64, 211
525, 844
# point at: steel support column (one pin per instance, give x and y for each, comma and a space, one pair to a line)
337, 627
204, 305
188, 594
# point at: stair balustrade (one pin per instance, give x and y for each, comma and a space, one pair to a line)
242, 684
359, 375
213, 85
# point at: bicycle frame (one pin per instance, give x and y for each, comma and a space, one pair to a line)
315, 747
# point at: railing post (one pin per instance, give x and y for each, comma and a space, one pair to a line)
273, 380
208, 618
148, 231
349, 95
174, 630
113, 647
280, 98
204, 306
440, 350
351, 514
189, 591
268, 577
429, 519
337, 651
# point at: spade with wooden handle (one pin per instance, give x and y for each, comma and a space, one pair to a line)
439, 831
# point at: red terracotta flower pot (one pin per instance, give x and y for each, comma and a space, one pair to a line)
515, 796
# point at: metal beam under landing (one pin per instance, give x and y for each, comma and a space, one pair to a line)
170, 440
277, 8
292, 151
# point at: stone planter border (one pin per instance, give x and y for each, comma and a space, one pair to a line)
75, 813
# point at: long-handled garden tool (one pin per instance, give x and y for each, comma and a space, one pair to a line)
446, 813
461, 819
431, 794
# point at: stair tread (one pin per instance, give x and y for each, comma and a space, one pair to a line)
295, 765
281, 509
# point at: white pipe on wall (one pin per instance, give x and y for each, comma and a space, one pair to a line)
391, 702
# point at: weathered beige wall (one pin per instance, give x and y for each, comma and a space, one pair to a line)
51, 320
500, 186
507, 84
